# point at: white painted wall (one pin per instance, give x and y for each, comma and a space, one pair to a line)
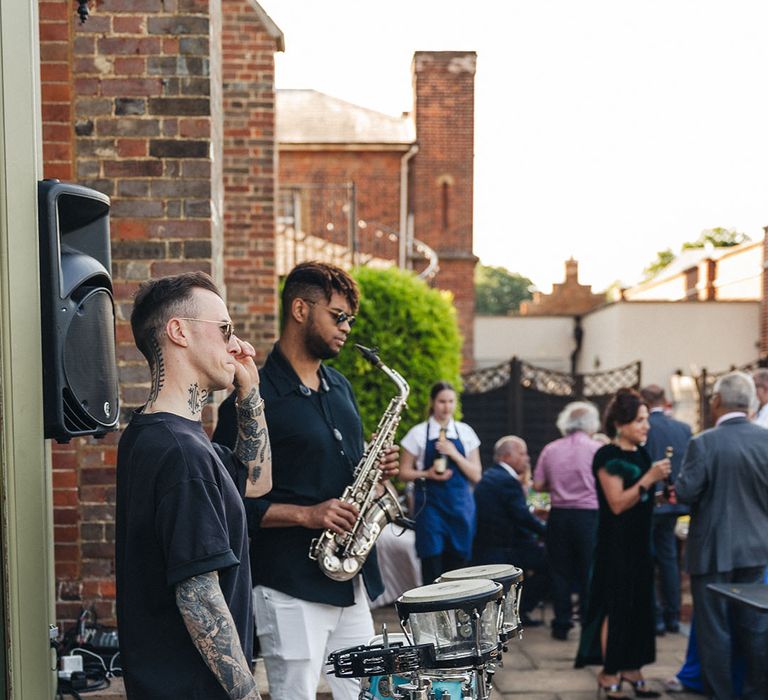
671, 336
664, 336
545, 341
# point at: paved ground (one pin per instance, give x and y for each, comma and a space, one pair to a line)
541, 668
536, 667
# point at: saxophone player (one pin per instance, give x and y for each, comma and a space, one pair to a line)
316, 436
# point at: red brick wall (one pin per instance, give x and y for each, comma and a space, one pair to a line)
376, 175
442, 174
55, 79
249, 165
140, 130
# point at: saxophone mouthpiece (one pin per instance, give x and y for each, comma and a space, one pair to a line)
370, 354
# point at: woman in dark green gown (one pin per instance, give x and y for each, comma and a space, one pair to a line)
618, 631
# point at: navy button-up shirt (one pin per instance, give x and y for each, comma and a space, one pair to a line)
309, 466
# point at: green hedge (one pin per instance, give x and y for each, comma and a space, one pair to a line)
416, 331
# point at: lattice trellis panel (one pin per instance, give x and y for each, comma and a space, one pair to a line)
486, 379
519, 398
604, 383
546, 381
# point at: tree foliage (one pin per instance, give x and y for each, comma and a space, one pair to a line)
663, 259
717, 237
499, 291
416, 331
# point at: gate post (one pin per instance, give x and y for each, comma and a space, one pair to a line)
578, 386
515, 397
703, 400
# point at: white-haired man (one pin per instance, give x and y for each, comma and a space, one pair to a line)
724, 478
564, 468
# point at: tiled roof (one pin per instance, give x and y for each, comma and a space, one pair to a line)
310, 117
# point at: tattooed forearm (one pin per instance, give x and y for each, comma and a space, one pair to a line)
209, 623
197, 398
252, 447
157, 366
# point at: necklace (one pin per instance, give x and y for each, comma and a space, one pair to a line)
323, 407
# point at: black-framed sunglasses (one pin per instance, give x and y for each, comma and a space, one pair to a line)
338, 316
227, 328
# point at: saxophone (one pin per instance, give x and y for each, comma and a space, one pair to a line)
340, 557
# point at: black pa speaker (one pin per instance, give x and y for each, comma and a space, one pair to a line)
80, 383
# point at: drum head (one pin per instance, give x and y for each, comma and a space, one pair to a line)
448, 591
505, 574
467, 595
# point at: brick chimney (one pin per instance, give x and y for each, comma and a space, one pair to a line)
442, 174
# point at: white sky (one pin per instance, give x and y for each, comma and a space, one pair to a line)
604, 129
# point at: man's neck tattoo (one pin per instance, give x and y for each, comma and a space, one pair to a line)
197, 398
157, 367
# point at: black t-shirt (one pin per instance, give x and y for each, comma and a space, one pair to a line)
179, 514
309, 466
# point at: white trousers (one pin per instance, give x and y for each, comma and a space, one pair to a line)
296, 637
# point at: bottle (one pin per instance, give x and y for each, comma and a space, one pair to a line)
669, 491
440, 462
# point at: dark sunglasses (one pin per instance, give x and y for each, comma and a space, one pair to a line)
227, 328
338, 316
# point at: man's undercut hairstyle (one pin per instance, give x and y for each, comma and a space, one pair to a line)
578, 416
159, 300
318, 281
736, 391
653, 395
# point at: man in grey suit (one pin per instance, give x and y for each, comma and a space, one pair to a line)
724, 478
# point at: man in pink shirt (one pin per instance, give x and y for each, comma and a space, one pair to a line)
564, 468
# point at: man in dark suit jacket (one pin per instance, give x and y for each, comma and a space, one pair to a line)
666, 432
507, 532
724, 478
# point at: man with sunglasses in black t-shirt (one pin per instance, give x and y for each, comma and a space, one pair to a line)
183, 580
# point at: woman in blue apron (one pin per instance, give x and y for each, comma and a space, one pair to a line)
444, 508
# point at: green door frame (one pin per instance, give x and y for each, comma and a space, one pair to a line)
25, 474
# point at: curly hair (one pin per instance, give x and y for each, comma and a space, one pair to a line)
313, 280
622, 409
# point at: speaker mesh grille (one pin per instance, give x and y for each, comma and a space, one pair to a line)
89, 364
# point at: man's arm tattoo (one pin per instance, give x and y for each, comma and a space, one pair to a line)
209, 622
252, 447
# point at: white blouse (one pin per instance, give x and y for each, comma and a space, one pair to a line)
415, 440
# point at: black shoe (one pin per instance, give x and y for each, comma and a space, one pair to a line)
530, 622
559, 633
661, 629
673, 627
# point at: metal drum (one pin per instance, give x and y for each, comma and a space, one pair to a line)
434, 685
511, 580
459, 618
